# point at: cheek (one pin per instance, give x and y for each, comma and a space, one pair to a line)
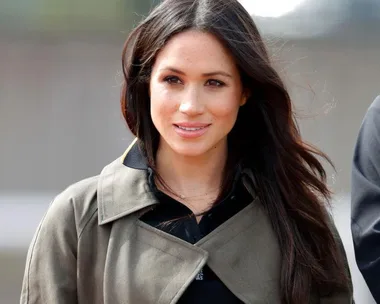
226, 107
162, 104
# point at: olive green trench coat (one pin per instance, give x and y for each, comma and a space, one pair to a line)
92, 248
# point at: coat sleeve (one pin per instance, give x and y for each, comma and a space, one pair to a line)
365, 199
345, 295
50, 272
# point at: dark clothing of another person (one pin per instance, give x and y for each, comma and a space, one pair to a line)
365, 199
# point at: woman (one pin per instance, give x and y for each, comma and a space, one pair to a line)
218, 200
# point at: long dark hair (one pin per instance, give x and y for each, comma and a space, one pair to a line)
289, 179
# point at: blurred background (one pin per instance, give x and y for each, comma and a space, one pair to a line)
60, 64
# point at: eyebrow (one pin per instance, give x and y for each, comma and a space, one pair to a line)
214, 73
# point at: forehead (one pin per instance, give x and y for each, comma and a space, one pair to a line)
195, 49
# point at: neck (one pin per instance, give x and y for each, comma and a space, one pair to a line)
189, 176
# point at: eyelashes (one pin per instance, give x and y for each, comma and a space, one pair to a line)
174, 80
216, 83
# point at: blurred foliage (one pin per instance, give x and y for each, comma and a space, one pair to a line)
72, 15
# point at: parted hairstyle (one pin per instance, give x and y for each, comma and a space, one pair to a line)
290, 180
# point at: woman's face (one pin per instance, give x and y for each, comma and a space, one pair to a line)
196, 92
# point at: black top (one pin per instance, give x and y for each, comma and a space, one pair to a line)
207, 287
365, 199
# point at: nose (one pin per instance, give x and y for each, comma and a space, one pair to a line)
191, 103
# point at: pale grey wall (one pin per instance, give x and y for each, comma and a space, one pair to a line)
59, 112
332, 85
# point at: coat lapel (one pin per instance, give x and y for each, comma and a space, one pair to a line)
244, 254
123, 188
145, 265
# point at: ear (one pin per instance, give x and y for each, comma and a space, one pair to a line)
244, 97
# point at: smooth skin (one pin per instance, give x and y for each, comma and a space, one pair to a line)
194, 83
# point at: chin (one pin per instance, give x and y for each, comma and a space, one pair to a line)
189, 150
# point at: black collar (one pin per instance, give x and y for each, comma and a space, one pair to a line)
135, 158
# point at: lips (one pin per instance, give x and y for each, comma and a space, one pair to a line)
191, 130
192, 125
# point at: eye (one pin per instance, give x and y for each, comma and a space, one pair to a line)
215, 83
172, 80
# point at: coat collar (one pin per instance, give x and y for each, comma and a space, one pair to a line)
123, 186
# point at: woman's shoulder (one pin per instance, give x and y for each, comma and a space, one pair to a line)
118, 190
72, 208
81, 200
78, 201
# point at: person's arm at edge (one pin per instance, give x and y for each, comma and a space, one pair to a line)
365, 199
